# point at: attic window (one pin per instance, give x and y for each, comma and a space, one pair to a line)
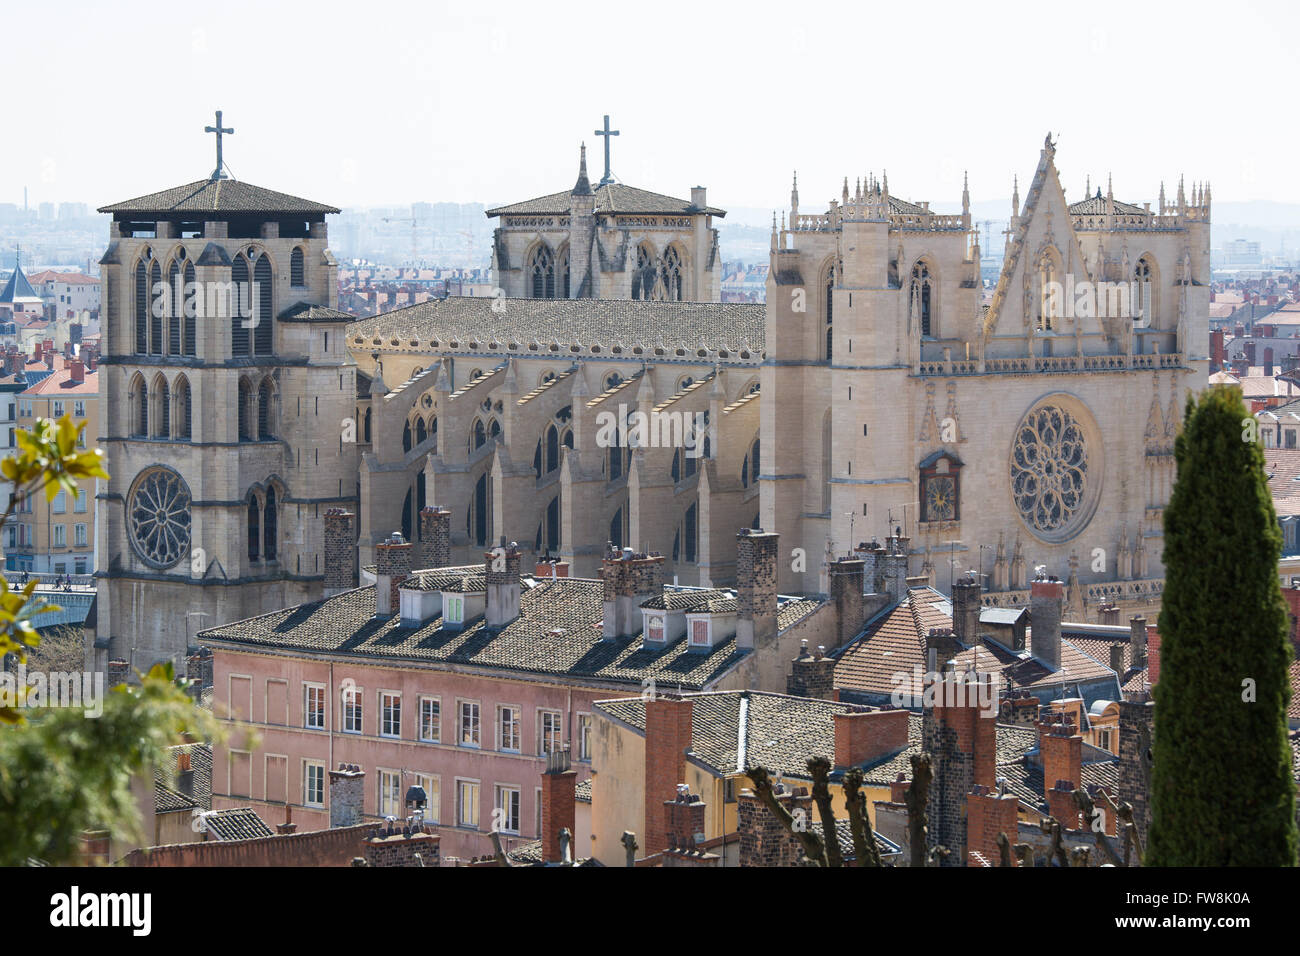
654, 628
700, 633
453, 608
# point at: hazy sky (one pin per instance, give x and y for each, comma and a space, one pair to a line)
368, 103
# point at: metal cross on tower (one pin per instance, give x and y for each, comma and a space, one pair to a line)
607, 133
218, 129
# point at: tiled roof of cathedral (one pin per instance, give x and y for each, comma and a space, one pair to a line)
569, 326
219, 195
612, 199
1096, 206
306, 312
558, 633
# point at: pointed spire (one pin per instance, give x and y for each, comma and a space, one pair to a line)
1206, 200
857, 189
884, 181
1087, 187
774, 234
794, 197
1162, 197
583, 186
782, 230
845, 194
1015, 197
965, 192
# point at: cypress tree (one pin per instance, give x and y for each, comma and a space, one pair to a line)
1222, 792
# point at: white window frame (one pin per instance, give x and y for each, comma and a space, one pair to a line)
80, 535
585, 724
307, 688
453, 608
461, 704
509, 743
508, 815
310, 769
60, 536
461, 783
432, 784
390, 794
542, 714
655, 628
350, 708
386, 729
425, 701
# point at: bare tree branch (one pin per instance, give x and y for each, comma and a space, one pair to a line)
855, 799
917, 797
820, 769
812, 846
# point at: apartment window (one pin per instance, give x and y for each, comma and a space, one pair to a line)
58, 409
80, 535
390, 714
453, 609
60, 535
60, 505
352, 711
79, 408
433, 791
548, 731
655, 631
79, 506
700, 633
430, 719
467, 803
313, 784
508, 728
584, 737
390, 793
507, 810
469, 723
313, 708
1103, 739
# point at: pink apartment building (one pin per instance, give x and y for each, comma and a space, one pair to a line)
461, 680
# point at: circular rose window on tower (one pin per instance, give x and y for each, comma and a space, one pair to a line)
158, 515
1055, 469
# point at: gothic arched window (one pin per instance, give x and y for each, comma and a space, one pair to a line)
829, 292
494, 429
297, 270
564, 272
269, 525
922, 293
254, 528
552, 449
265, 396
644, 277
141, 307
175, 307
672, 274
480, 435
245, 417
189, 311
184, 428
157, 309
433, 431
241, 307
1047, 302
262, 279
421, 433
542, 270
407, 443
163, 413
365, 431
140, 406
1144, 275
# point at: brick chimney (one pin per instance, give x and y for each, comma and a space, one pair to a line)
960, 733
288, 826
966, 610
894, 565
1153, 655
340, 550
667, 738
435, 536
987, 815
846, 585
1268, 361
551, 568
763, 840
812, 674
558, 804
76, 371
1108, 614
684, 817
1137, 639
756, 553
1046, 604
392, 567
1060, 804
1117, 660
1060, 749
501, 574
347, 792
630, 578
863, 736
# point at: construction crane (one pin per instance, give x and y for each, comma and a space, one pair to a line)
415, 225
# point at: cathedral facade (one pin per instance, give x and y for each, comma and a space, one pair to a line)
1032, 429
227, 389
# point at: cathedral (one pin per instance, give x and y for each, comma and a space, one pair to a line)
1001, 434
1031, 430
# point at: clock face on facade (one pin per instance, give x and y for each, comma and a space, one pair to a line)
940, 498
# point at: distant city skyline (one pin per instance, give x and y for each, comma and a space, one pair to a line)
430, 100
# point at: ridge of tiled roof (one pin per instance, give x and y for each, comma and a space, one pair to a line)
306, 312
685, 600
1096, 206
558, 634
570, 327
219, 195
611, 199
167, 800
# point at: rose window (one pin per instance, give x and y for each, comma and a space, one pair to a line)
159, 517
1049, 471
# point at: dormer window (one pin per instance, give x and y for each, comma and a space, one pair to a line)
453, 608
701, 632
654, 628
